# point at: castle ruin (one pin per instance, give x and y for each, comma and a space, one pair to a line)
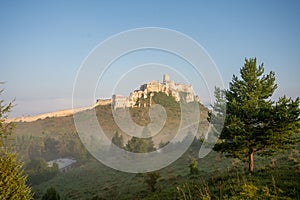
170, 88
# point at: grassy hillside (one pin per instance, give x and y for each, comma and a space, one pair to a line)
31, 137
57, 126
218, 178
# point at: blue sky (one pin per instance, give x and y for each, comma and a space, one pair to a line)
43, 43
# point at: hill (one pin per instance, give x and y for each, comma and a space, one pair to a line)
218, 178
49, 133
61, 113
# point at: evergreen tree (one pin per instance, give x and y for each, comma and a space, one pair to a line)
150, 179
12, 181
51, 194
253, 123
39, 171
141, 145
117, 140
194, 167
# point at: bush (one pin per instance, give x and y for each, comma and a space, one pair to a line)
51, 194
194, 167
150, 179
39, 171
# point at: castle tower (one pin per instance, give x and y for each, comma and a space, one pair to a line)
166, 78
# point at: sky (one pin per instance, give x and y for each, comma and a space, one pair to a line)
44, 43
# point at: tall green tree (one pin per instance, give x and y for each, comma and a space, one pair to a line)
253, 123
51, 194
12, 180
150, 179
141, 145
194, 169
117, 140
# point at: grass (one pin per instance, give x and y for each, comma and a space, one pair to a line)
55, 127
219, 177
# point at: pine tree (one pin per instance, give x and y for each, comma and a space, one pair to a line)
12, 181
117, 140
253, 123
141, 145
51, 194
194, 167
150, 179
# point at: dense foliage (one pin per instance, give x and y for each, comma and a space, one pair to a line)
150, 179
194, 167
39, 171
140, 145
12, 180
117, 140
253, 123
51, 194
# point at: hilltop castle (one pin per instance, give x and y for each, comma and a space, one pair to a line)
170, 88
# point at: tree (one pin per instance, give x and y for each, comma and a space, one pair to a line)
51, 194
253, 123
12, 181
141, 145
39, 171
117, 140
194, 167
51, 145
5, 128
150, 179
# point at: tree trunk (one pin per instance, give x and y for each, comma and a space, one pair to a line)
251, 160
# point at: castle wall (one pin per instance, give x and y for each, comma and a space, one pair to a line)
103, 102
168, 87
120, 102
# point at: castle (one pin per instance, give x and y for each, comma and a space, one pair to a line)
178, 91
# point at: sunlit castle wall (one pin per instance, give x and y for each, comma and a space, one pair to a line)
168, 87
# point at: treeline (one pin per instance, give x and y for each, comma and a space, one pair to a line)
135, 144
49, 148
38, 171
144, 145
36, 151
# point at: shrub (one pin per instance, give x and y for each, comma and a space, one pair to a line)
150, 179
194, 167
51, 194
